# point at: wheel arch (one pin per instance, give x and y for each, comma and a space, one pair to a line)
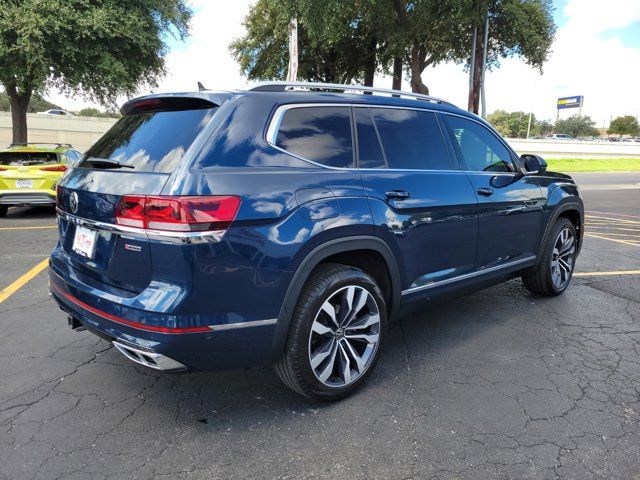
573, 210
333, 250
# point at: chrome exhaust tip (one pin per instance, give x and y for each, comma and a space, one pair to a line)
153, 360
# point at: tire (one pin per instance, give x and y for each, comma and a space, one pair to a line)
334, 345
3, 211
558, 258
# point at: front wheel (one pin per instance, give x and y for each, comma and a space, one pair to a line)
3, 211
553, 273
335, 335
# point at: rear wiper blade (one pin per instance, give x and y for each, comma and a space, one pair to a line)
107, 163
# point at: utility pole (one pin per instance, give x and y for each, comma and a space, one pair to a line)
478, 66
485, 48
472, 68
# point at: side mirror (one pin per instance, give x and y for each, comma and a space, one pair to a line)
533, 164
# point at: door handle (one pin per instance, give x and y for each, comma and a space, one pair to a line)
485, 192
397, 195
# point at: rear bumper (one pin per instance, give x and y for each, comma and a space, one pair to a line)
31, 197
165, 339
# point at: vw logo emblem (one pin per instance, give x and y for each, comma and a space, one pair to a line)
73, 202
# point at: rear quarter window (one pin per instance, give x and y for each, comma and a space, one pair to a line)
151, 141
319, 134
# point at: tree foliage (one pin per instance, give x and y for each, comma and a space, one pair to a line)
349, 40
511, 124
98, 49
577, 126
515, 124
335, 39
94, 112
626, 125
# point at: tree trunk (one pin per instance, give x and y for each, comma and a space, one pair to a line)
370, 63
397, 73
19, 103
417, 86
474, 93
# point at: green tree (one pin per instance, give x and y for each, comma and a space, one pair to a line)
347, 40
426, 33
626, 125
542, 128
511, 124
338, 40
521, 28
97, 49
94, 112
577, 126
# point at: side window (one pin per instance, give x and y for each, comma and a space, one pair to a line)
479, 149
319, 134
369, 150
411, 139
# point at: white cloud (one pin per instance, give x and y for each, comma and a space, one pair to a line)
586, 60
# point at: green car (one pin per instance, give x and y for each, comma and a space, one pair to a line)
29, 173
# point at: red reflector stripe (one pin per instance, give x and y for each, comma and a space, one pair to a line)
129, 323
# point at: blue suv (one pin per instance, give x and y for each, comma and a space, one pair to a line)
290, 223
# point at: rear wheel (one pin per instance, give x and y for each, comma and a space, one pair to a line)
3, 211
335, 334
554, 272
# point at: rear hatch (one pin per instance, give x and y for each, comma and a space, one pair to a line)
135, 157
29, 170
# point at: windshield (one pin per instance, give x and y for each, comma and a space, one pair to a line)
26, 159
149, 142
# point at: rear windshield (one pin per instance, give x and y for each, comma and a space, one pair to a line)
150, 142
19, 159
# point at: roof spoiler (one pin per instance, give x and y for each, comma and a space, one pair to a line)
167, 103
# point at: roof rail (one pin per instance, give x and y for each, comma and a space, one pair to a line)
26, 144
293, 86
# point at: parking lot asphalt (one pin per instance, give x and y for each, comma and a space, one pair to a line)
499, 384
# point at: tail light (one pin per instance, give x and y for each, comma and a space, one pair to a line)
55, 168
177, 214
2, 169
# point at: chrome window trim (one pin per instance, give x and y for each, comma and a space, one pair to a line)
466, 276
212, 236
276, 119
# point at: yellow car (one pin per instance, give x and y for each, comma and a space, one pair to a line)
30, 172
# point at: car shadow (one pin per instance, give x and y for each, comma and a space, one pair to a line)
30, 213
242, 399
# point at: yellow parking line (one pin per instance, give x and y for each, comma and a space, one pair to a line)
23, 280
614, 228
28, 228
612, 239
612, 234
617, 220
604, 274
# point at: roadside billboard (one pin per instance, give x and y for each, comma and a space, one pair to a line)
570, 102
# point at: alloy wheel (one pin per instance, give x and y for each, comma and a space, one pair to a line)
563, 257
345, 335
